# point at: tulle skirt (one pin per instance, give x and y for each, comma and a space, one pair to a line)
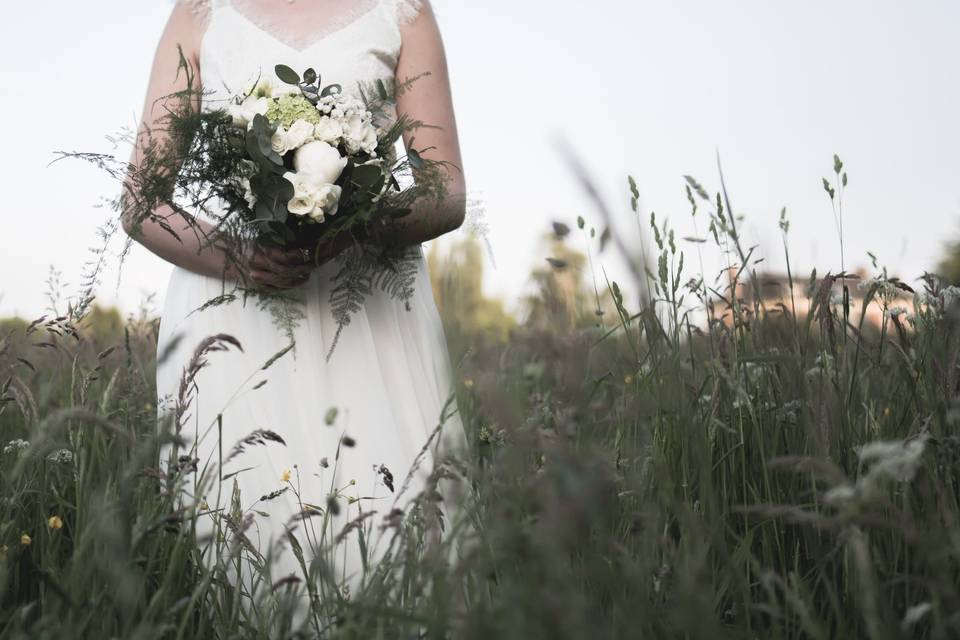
352, 428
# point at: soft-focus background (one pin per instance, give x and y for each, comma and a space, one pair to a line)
647, 88
789, 469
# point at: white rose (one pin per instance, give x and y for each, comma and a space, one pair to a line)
328, 130
312, 197
328, 201
280, 141
319, 160
244, 112
302, 205
299, 133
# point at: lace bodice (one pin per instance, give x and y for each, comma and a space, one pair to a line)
346, 41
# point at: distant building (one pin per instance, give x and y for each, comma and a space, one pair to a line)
776, 296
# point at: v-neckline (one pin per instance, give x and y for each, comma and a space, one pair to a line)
324, 35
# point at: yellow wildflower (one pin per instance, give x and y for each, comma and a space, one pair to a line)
54, 522
468, 383
285, 477
25, 540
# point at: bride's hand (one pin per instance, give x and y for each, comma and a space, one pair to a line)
274, 269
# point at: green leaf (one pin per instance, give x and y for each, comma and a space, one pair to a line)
382, 89
287, 74
310, 76
331, 416
369, 177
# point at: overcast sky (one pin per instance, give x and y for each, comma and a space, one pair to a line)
651, 89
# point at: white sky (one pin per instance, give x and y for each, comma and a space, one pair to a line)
642, 88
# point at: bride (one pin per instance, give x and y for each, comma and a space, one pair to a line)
358, 434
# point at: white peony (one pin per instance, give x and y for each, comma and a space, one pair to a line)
328, 130
244, 112
319, 160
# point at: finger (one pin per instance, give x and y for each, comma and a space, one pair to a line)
288, 257
278, 281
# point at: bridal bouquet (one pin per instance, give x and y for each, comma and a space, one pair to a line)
295, 164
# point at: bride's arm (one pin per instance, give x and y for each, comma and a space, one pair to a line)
189, 248
428, 100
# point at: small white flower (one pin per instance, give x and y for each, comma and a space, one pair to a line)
61, 456
16, 446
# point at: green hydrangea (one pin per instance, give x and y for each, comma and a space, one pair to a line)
289, 108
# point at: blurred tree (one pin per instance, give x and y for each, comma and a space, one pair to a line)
563, 298
468, 315
949, 265
103, 325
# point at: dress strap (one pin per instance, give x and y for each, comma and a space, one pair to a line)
407, 10
204, 8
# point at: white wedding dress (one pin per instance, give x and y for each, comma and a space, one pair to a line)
389, 377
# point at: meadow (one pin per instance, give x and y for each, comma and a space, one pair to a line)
689, 462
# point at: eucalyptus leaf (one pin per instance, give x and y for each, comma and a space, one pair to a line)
310, 76
287, 74
333, 89
416, 161
367, 176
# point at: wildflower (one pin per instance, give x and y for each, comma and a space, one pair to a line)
353, 483
25, 540
61, 456
324, 462
886, 412
352, 499
468, 383
950, 295
54, 522
17, 446
285, 476
628, 379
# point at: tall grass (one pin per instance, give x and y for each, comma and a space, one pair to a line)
638, 473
